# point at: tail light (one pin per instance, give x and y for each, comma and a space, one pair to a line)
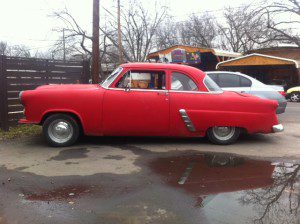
282, 93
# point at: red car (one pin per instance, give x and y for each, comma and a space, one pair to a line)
148, 99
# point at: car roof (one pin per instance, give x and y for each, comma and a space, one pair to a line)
162, 66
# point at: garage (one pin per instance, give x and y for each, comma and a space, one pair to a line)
269, 69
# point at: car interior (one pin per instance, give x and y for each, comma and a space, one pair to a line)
143, 80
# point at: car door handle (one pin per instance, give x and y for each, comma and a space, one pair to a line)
163, 93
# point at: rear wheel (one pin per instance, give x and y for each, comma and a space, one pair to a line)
61, 130
223, 135
295, 97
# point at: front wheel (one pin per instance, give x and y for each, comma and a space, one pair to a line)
223, 135
61, 130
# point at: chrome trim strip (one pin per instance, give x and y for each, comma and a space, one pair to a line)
278, 128
186, 173
162, 90
197, 92
187, 121
139, 90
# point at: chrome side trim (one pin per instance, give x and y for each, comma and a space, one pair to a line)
278, 128
195, 92
187, 121
139, 90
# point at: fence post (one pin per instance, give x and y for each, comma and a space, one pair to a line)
85, 71
3, 95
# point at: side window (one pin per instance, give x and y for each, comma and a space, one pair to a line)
182, 82
228, 80
143, 80
214, 77
245, 82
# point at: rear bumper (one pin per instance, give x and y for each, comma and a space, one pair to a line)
281, 107
277, 128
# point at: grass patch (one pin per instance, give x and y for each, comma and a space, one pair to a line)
20, 131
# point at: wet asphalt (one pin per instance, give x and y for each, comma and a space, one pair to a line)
119, 180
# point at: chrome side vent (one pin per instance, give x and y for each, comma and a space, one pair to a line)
187, 121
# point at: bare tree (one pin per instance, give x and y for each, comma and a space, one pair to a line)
14, 50
244, 29
167, 34
139, 28
76, 38
279, 203
199, 30
3, 48
284, 20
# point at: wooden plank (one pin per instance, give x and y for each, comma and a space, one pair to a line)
86, 72
15, 116
13, 123
14, 108
13, 94
3, 95
13, 101
21, 87
40, 81
52, 74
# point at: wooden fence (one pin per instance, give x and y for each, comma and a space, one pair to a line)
18, 74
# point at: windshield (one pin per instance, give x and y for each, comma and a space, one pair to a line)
211, 85
106, 83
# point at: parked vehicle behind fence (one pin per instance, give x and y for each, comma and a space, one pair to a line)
148, 99
238, 82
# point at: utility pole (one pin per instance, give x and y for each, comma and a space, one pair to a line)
64, 44
95, 50
120, 34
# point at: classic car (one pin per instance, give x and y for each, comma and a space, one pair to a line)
293, 94
148, 99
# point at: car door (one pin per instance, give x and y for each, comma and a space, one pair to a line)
137, 104
186, 101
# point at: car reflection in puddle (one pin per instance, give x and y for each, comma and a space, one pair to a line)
229, 188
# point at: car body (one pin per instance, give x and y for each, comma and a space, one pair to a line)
238, 82
293, 94
145, 99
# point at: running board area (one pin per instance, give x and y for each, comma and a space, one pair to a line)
187, 121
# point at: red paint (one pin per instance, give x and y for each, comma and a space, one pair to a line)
150, 113
282, 93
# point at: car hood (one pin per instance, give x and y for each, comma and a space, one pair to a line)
68, 87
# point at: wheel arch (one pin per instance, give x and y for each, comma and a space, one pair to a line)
71, 113
243, 130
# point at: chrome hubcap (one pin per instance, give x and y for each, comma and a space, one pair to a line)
60, 131
223, 133
295, 97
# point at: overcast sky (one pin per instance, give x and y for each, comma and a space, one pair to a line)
28, 22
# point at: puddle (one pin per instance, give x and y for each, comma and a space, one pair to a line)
114, 157
260, 191
74, 153
61, 194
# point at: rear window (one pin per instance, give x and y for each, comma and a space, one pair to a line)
229, 80
245, 82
